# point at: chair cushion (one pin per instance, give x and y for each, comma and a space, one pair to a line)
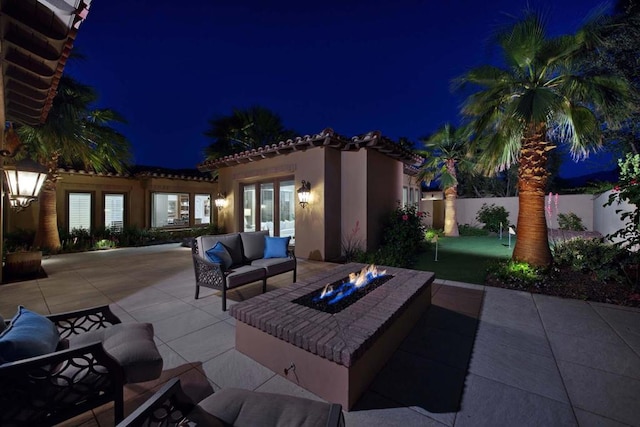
28, 335
245, 274
276, 247
253, 244
230, 241
240, 408
275, 266
131, 344
220, 255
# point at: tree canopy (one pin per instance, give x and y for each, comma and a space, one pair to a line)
540, 97
74, 134
244, 129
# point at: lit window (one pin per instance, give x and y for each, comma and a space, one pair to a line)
169, 209
202, 209
114, 211
79, 211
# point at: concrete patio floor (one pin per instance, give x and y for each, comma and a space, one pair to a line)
478, 357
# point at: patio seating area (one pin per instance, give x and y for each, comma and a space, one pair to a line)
478, 356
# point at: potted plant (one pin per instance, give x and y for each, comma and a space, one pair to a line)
22, 261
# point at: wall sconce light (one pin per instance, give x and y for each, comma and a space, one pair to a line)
24, 180
304, 193
221, 200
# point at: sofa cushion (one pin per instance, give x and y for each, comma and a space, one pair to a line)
239, 407
275, 266
276, 247
220, 255
231, 241
245, 274
253, 244
131, 344
28, 335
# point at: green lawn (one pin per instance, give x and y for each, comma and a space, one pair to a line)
464, 259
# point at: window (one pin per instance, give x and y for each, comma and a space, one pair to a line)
169, 209
266, 207
202, 209
287, 208
277, 201
405, 196
114, 211
79, 211
249, 208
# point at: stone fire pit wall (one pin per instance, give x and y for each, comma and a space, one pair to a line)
341, 337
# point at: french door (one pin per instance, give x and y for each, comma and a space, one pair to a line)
269, 205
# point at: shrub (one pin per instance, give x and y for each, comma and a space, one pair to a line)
18, 240
431, 233
492, 216
571, 222
402, 238
470, 230
520, 274
590, 255
352, 244
628, 190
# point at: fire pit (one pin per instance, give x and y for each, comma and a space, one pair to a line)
333, 350
335, 297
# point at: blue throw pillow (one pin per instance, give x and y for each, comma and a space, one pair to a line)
220, 255
28, 335
276, 247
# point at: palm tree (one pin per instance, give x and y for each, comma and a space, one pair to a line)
446, 153
539, 97
245, 129
73, 134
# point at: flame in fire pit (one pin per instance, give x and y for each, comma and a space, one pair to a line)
356, 281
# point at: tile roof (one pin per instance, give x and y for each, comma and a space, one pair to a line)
37, 37
326, 138
148, 172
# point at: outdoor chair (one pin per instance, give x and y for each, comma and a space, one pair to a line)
59, 366
170, 406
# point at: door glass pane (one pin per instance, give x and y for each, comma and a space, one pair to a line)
160, 210
266, 207
249, 208
79, 211
114, 211
202, 209
287, 209
183, 218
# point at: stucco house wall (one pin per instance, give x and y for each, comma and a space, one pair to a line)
322, 212
355, 183
137, 191
385, 178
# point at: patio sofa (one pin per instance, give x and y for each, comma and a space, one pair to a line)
226, 261
55, 367
170, 406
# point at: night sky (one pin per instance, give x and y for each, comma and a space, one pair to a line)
352, 65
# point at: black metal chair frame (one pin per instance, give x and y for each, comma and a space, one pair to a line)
54, 387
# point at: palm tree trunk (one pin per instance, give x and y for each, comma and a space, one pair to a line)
450, 217
532, 244
47, 235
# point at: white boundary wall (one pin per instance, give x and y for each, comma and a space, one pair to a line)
605, 219
588, 207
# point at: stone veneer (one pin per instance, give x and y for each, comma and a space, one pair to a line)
341, 337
